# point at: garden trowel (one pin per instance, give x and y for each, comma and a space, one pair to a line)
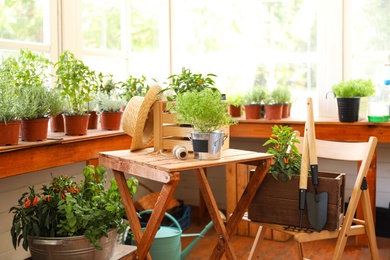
317, 203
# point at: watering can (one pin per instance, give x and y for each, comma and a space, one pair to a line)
167, 242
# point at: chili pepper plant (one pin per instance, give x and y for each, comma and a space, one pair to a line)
287, 159
66, 208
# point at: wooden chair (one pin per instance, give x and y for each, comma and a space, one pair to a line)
362, 153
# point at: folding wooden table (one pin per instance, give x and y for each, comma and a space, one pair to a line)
165, 168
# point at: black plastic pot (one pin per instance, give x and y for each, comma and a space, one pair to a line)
348, 109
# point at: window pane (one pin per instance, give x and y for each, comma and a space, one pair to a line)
23, 20
248, 42
101, 24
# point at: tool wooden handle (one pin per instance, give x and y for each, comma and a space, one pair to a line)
312, 134
305, 161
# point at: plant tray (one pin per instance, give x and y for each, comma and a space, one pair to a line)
168, 134
278, 202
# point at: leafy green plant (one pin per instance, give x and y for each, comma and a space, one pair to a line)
278, 96
354, 88
9, 108
134, 87
235, 99
204, 110
66, 208
256, 96
110, 102
76, 81
187, 81
287, 159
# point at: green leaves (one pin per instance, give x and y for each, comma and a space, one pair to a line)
67, 208
287, 160
354, 88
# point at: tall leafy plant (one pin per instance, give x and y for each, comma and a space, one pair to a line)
76, 82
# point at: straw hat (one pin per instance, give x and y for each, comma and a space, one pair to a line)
138, 118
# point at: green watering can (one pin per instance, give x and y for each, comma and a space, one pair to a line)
167, 242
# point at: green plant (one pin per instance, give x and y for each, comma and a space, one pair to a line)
235, 99
134, 87
256, 95
110, 102
39, 102
66, 208
204, 110
287, 159
354, 88
9, 108
278, 96
188, 82
76, 82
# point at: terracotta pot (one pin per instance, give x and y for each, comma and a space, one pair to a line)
235, 111
33, 130
273, 111
9, 133
286, 110
76, 125
111, 120
93, 120
252, 111
57, 123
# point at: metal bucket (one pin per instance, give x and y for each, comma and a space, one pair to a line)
71, 248
208, 146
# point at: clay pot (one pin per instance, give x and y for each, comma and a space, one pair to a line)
76, 125
273, 111
111, 120
235, 111
57, 123
93, 120
9, 132
252, 111
33, 130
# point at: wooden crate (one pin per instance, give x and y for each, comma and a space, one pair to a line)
168, 134
277, 201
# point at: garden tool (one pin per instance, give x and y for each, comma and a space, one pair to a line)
317, 203
303, 177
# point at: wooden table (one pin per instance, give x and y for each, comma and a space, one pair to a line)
164, 168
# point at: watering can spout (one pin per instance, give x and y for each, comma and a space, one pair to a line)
191, 246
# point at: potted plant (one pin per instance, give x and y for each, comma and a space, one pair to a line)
133, 86
187, 81
77, 84
254, 100
206, 112
9, 109
36, 102
274, 102
352, 98
70, 212
110, 110
236, 101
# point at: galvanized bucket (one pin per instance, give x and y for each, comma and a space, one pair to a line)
208, 146
71, 248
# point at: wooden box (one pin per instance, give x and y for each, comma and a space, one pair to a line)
168, 134
277, 201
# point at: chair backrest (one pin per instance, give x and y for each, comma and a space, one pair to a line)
345, 151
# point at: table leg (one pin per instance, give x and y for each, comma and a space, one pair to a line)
243, 204
144, 240
212, 207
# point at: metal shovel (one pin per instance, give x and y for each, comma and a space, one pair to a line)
317, 203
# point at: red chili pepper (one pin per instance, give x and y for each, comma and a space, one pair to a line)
35, 201
199, 82
27, 203
285, 160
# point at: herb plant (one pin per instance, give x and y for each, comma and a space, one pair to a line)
256, 96
76, 81
204, 110
354, 88
134, 87
66, 208
188, 82
287, 159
